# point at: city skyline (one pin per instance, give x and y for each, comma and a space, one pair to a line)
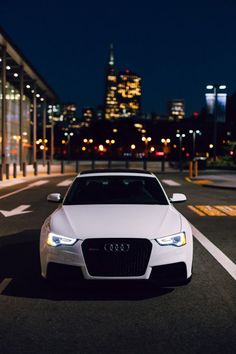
123, 91
177, 48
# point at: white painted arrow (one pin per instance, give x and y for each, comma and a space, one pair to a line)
17, 211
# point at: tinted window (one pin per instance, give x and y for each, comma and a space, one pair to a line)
115, 190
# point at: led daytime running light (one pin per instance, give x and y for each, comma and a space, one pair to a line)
177, 240
55, 240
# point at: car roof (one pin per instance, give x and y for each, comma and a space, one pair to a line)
117, 171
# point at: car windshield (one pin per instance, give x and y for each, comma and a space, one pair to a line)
115, 190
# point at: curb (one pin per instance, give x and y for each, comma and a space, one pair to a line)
218, 186
209, 184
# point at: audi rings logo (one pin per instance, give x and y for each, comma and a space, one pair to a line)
117, 247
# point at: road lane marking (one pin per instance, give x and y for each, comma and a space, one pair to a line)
38, 183
35, 184
200, 181
16, 211
227, 209
170, 182
214, 210
221, 258
210, 210
4, 284
199, 212
65, 183
203, 181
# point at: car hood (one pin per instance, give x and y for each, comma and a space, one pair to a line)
98, 221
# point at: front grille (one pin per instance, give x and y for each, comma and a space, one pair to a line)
116, 257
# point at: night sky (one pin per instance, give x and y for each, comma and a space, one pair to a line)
177, 46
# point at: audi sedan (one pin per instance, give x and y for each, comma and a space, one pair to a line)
117, 224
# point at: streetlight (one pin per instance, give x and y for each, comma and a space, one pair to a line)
215, 89
132, 146
68, 135
42, 143
194, 132
88, 141
180, 136
165, 142
146, 140
110, 142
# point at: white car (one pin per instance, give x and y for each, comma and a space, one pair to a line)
117, 224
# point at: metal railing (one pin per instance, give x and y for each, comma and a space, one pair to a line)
13, 170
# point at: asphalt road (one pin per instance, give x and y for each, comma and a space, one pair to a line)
115, 318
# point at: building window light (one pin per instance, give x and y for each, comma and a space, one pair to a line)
16, 75
8, 67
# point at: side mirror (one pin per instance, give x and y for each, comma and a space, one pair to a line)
178, 198
54, 198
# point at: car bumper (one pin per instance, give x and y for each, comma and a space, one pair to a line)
165, 263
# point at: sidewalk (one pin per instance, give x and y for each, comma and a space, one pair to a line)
42, 173
223, 180
70, 169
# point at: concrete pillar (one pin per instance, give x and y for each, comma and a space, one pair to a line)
44, 130
21, 157
4, 108
34, 125
52, 139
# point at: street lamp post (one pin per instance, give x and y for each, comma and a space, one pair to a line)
89, 142
165, 142
180, 136
146, 140
132, 149
215, 89
110, 142
68, 135
194, 132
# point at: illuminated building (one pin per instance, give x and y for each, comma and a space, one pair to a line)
216, 102
87, 114
176, 109
129, 93
24, 97
54, 113
99, 113
111, 109
69, 113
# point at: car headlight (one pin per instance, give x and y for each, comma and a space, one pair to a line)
55, 240
177, 240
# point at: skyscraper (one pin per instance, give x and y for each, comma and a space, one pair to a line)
111, 109
129, 93
176, 109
